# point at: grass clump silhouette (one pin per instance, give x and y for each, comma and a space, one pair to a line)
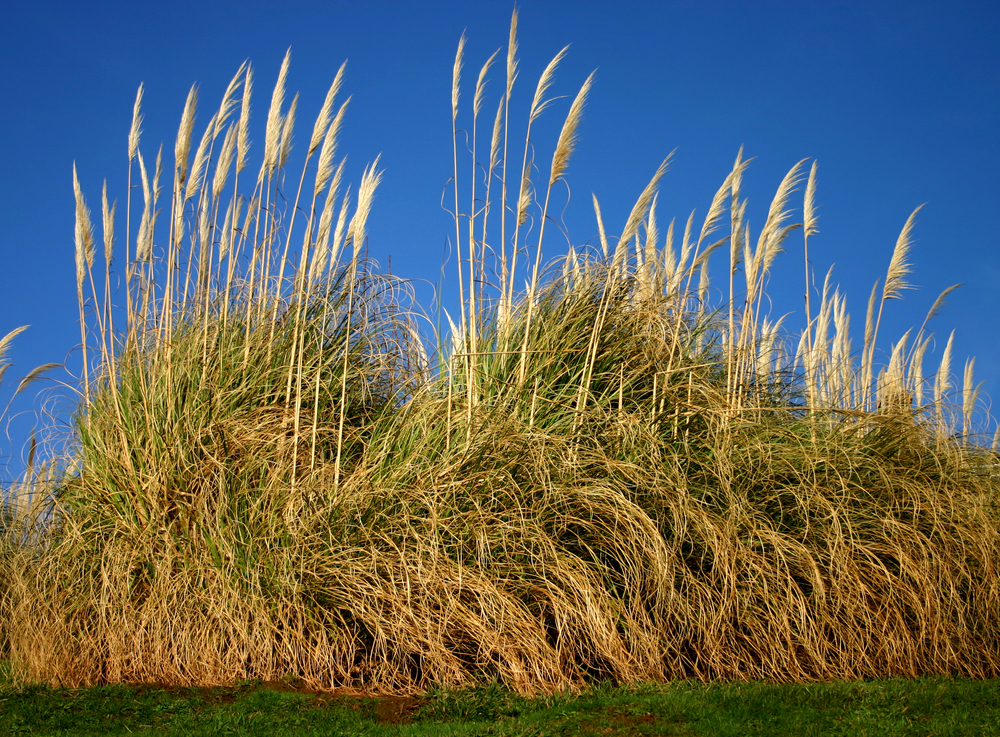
600, 477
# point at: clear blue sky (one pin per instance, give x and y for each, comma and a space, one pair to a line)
898, 101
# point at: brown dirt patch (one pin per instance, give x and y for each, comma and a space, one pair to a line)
396, 709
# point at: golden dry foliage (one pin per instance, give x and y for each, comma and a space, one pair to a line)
601, 476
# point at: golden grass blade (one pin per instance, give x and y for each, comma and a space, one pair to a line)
802, 355
457, 342
205, 245
225, 162
766, 353
495, 139
567, 136
868, 352
600, 227
147, 196
8, 339
651, 260
328, 151
491, 174
506, 266
512, 53
475, 299
736, 241
157, 173
456, 77
300, 281
809, 220
34, 375
524, 200
225, 237
272, 130
970, 393
147, 192
718, 206
200, 161
135, 131
323, 251
669, 258
736, 181
84, 233
243, 139
326, 220
706, 254
150, 193
539, 103
843, 373
228, 100
775, 231
477, 100
704, 282
896, 369
737, 245
370, 180
895, 283
936, 307
287, 125
339, 237
899, 268
108, 222
687, 245
194, 184
827, 311
638, 214
323, 119
31, 454
182, 145
809, 217
749, 260
942, 382
916, 370
938, 304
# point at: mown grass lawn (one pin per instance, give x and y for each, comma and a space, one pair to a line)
928, 706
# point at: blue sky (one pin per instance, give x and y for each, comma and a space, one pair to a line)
899, 103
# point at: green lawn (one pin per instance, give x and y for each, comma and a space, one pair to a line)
928, 706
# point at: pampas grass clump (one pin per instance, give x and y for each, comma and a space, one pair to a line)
601, 476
